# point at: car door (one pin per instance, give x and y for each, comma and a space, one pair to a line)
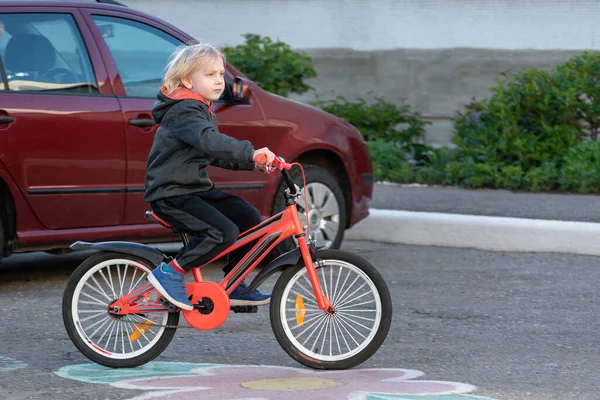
136, 52
63, 138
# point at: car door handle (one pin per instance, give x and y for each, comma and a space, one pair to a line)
5, 119
141, 122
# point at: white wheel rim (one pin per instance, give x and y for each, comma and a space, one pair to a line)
343, 330
323, 213
108, 335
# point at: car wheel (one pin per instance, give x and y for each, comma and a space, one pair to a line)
2, 244
326, 208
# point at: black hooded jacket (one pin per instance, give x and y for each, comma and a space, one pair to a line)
186, 142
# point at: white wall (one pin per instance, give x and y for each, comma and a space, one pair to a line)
389, 24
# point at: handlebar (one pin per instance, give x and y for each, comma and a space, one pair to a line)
279, 163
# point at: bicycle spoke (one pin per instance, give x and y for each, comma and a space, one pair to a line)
306, 322
337, 323
319, 334
351, 299
324, 283
327, 326
355, 305
135, 286
99, 287
122, 337
354, 322
93, 316
112, 289
363, 318
96, 301
106, 330
335, 289
342, 324
342, 303
120, 281
110, 334
342, 319
100, 327
131, 285
103, 321
112, 285
308, 296
349, 287
317, 323
337, 340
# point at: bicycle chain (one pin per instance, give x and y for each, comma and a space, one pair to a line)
159, 325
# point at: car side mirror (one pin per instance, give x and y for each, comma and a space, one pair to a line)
241, 90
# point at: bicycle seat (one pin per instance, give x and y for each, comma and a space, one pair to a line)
151, 216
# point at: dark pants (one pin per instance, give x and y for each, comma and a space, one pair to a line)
214, 220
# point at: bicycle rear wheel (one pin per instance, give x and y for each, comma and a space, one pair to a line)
359, 326
111, 340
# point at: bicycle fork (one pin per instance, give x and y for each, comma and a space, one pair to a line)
322, 301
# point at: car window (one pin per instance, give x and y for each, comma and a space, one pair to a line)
45, 52
141, 53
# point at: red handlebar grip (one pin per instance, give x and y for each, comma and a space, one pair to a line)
261, 159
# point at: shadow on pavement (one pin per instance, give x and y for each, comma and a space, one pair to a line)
39, 266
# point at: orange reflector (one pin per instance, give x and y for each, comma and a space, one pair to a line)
140, 329
300, 310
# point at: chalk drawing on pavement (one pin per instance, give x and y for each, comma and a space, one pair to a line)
181, 381
10, 364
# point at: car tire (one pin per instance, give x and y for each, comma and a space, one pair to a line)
323, 186
2, 243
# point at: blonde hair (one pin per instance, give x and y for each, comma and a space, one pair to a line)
187, 59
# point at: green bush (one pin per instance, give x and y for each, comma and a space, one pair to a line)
389, 162
581, 85
537, 131
272, 65
433, 166
528, 121
382, 120
581, 168
543, 178
510, 177
480, 175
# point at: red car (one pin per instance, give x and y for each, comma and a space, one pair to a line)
77, 85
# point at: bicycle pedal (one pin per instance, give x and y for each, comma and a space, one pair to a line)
244, 309
168, 304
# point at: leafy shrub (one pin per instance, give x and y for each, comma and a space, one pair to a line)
433, 166
528, 121
581, 169
272, 65
543, 178
382, 120
389, 162
580, 77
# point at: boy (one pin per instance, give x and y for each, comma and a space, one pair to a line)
177, 184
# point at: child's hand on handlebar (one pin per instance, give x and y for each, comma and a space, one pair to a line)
263, 157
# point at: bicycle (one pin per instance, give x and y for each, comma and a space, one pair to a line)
135, 324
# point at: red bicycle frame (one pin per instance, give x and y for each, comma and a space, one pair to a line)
268, 234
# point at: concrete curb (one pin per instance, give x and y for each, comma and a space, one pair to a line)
478, 232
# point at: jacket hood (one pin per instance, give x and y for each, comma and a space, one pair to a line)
165, 101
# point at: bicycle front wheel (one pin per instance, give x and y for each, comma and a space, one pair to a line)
359, 326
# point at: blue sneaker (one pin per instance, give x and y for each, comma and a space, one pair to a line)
254, 298
172, 286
